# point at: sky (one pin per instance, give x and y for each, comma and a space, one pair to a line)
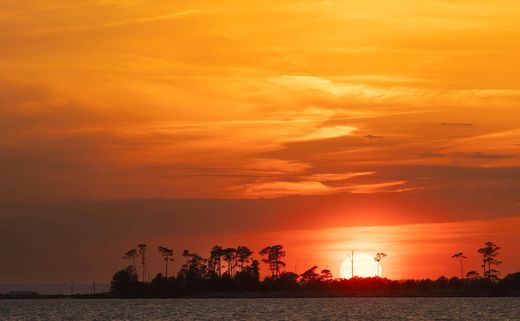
328, 125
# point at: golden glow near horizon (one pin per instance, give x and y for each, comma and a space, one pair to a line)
397, 106
364, 266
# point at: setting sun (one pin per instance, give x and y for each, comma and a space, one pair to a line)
364, 266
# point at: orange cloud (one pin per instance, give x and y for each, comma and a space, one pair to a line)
224, 100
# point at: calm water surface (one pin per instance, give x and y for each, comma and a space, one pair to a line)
264, 309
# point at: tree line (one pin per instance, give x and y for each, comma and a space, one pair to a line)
235, 272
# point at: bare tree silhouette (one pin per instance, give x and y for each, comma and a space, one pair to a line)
142, 254
167, 256
273, 256
460, 257
378, 258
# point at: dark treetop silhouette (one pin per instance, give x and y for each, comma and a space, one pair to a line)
460, 257
234, 272
489, 259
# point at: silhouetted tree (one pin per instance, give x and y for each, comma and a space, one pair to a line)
326, 275
249, 277
273, 256
511, 284
142, 254
229, 255
472, 275
460, 257
167, 256
216, 259
131, 255
489, 253
310, 275
243, 256
194, 269
159, 286
124, 283
254, 270
378, 258
286, 281
198, 274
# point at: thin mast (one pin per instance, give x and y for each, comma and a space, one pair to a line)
352, 263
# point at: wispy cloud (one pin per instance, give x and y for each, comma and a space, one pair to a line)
114, 24
327, 133
337, 88
374, 137
408, 95
473, 155
173, 15
276, 189
228, 96
315, 184
456, 124
335, 176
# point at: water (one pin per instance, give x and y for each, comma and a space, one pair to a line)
263, 309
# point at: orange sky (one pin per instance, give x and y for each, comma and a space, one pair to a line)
414, 250
318, 115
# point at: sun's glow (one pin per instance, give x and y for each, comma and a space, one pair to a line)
364, 266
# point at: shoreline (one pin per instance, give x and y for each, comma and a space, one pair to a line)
260, 295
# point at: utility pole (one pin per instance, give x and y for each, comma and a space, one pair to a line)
352, 263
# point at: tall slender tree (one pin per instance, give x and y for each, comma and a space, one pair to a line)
460, 257
273, 257
131, 255
142, 254
378, 258
489, 259
229, 255
167, 255
216, 258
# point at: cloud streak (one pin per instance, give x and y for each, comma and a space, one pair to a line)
107, 25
